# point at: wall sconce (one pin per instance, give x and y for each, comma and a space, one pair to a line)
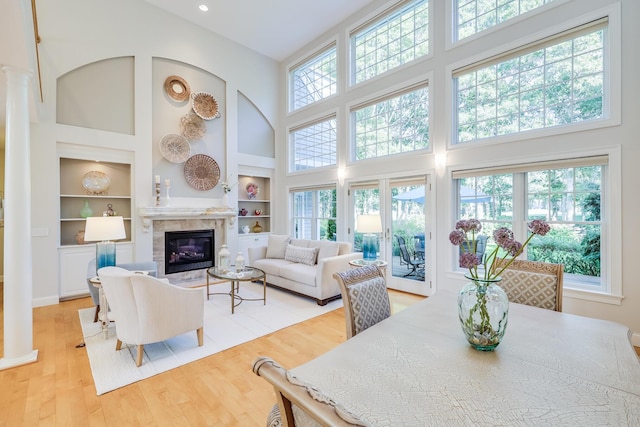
341, 173
441, 163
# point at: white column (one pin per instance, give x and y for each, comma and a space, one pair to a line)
18, 278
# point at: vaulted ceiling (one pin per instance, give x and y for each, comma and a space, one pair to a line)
274, 28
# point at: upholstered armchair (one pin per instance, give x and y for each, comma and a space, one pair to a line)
149, 267
365, 297
148, 310
534, 283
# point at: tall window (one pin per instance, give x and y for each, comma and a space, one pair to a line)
314, 214
313, 146
313, 80
552, 83
390, 41
473, 16
392, 126
568, 196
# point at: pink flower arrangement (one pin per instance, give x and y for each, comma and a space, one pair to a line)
465, 233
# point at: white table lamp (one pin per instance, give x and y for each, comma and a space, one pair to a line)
369, 226
103, 230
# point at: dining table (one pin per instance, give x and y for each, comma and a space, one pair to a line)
416, 368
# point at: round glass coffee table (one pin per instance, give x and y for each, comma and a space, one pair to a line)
247, 274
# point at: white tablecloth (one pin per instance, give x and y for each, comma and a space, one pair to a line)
551, 369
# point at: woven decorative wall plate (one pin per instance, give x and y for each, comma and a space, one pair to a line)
177, 88
201, 172
192, 126
204, 105
175, 148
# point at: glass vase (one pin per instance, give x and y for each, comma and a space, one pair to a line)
483, 309
86, 210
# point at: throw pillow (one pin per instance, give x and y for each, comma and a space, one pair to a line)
277, 245
328, 249
301, 255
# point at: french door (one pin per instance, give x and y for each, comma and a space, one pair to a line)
404, 242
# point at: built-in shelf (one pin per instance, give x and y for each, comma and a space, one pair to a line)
261, 201
73, 195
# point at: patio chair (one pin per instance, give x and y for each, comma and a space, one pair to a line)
414, 264
418, 251
480, 244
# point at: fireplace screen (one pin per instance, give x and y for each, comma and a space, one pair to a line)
188, 250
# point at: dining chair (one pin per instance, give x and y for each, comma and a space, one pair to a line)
364, 296
414, 264
148, 310
300, 403
534, 283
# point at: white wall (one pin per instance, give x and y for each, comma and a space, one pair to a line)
436, 68
79, 32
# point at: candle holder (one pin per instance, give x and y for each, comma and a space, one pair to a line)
167, 197
157, 194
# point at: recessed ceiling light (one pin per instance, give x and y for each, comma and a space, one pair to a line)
203, 7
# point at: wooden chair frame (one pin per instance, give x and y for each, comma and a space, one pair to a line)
292, 391
556, 270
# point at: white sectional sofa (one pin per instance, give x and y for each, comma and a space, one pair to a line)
304, 267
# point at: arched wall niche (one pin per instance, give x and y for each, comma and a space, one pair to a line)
255, 134
99, 95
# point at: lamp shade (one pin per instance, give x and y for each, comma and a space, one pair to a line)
369, 224
103, 228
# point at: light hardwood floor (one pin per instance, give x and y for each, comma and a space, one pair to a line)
220, 390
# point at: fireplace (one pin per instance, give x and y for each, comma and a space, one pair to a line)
188, 250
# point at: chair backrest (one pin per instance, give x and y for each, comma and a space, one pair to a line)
299, 402
365, 297
147, 309
116, 285
151, 267
404, 253
534, 283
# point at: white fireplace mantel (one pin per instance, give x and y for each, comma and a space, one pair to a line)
162, 213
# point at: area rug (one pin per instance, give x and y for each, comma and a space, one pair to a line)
113, 369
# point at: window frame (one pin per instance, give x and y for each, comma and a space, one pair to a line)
392, 92
315, 218
290, 143
612, 101
373, 20
610, 291
307, 59
451, 25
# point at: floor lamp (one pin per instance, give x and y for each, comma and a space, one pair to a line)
103, 230
369, 226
